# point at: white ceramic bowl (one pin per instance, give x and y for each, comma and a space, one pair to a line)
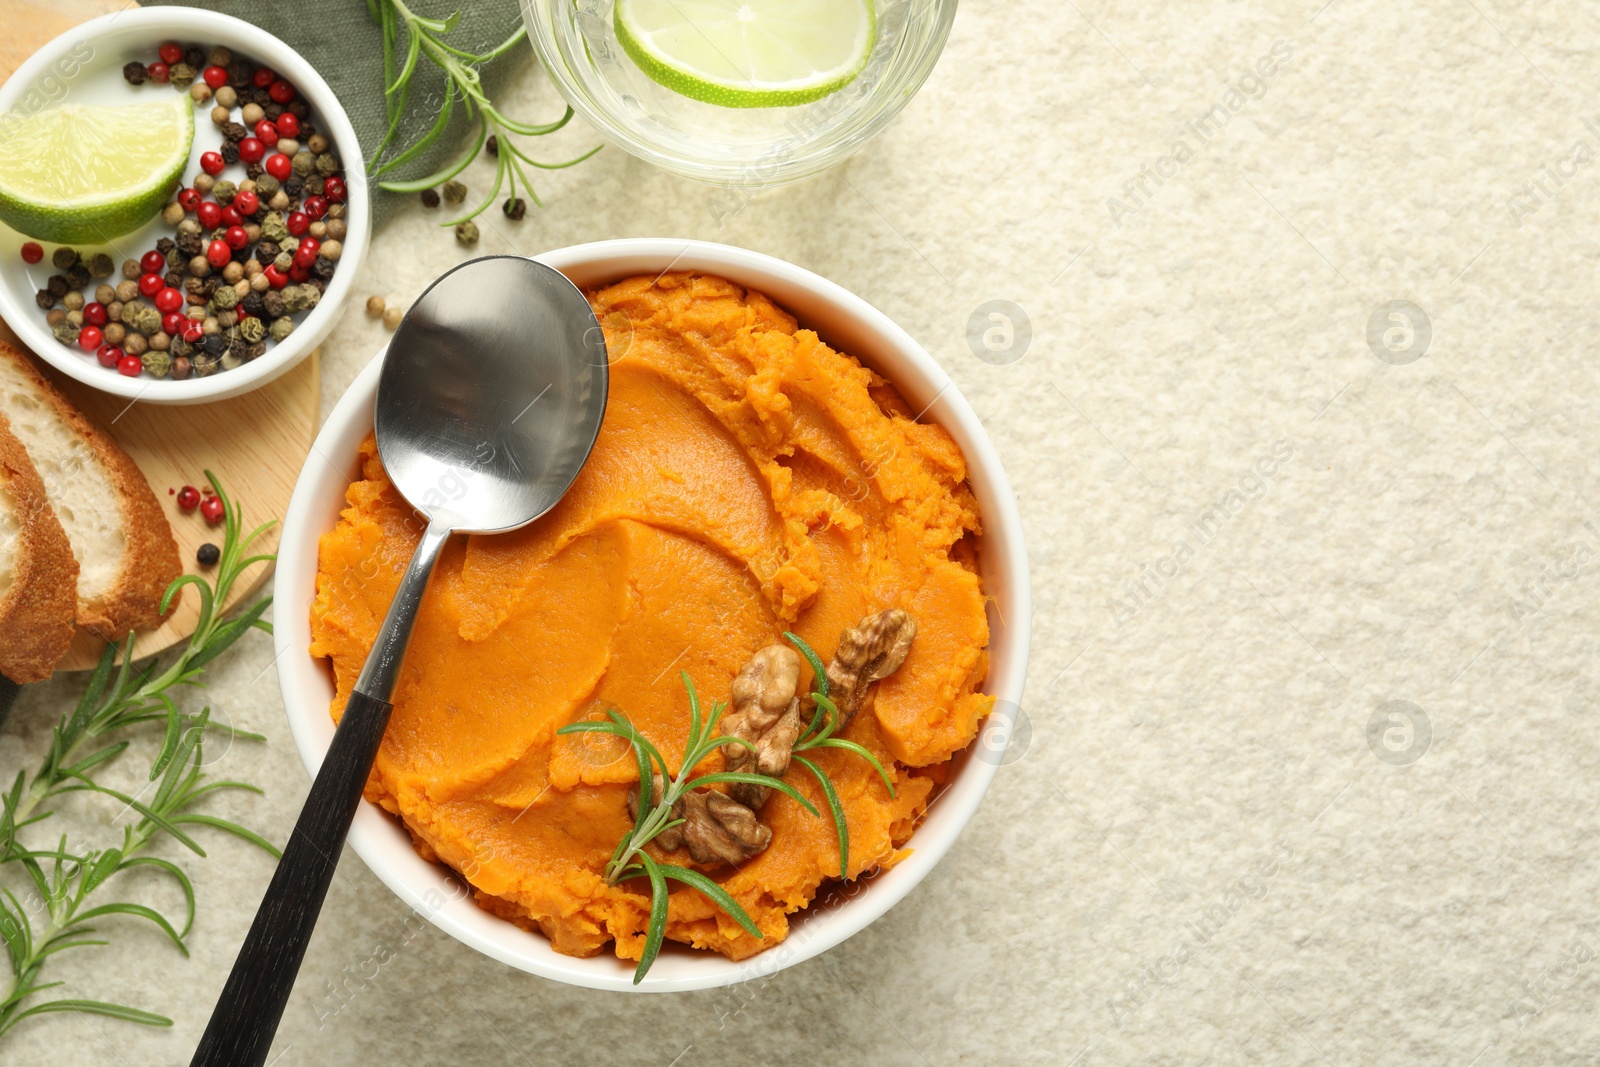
854, 326
84, 65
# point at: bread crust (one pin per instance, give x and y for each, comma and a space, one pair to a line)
150, 562
37, 614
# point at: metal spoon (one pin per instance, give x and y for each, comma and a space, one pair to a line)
489, 401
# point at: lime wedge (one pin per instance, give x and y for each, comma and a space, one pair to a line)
748, 53
82, 174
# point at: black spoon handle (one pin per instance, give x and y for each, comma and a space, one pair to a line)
252, 1002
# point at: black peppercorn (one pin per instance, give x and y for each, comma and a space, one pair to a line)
493, 145
272, 303
254, 170
266, 251
57, 286
207, 554
135, 73
45, 299
272, 108
195, 57
165, 245
294, 185
234, 131
230, 151
190, 244
175, 278
194, 286
215, 344
430, 198
300, 109
77, 276
180, 349
253, 303
236, 345
255, 351
515, 208
322, 268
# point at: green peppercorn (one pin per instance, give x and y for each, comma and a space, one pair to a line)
159, 364
281, 328
252, 330
180, 75
454, 191
66, 333
273, 228
467, 233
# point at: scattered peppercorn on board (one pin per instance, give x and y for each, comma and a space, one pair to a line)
255, 443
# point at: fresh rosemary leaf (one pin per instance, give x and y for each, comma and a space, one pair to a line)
837, 809
714, 892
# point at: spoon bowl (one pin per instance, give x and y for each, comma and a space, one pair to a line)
492, 394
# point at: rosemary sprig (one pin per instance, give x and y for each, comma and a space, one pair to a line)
819, 734
425, 37
63, 880
654, 814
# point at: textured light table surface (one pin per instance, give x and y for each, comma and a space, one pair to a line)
1254, 533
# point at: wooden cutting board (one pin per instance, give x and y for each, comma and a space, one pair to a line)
255, 443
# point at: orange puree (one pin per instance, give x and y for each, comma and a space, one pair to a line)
747, 480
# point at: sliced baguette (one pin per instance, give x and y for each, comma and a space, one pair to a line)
38, 576
125, 550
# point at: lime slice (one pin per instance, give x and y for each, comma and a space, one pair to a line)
82, 174
748, 53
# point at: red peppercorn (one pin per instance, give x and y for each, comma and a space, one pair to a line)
189, 199
305, 253
153, 262
150, 284
168, 300
280, 91
171, 53
315, 207
94, 313
212, 162
210, 214
218, 254
288, 124
188, 498
193, 331
231, 216
211, 508
236, 238
279, 166
172, 322
275, 277
156, 72
246, 203
130, 366
334, 190
90, 338
263, 78
108, 355
251, 149
299, 274
266, 132
215, 77
297, 223
32, 252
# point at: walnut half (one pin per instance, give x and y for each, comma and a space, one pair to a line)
869, 651
766, 713
717, 829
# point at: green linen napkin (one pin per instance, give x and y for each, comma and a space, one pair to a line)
341, 40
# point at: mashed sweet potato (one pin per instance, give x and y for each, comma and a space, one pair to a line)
747, 480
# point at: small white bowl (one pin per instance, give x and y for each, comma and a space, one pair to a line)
84, 65
845, 321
